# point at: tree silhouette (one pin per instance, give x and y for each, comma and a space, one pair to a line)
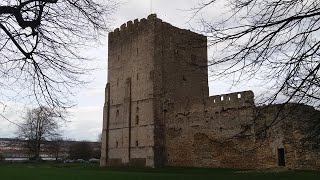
39, 47
81, 150
40, 124
276, 42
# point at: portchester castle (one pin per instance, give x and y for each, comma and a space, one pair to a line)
158, 111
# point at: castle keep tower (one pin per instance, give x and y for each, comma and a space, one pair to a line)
158, 112
150, 65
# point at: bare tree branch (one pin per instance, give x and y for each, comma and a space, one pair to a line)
40, 43
275, 43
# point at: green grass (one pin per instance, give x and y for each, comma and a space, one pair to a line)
93, 172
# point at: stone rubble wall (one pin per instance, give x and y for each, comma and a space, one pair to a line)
158, 111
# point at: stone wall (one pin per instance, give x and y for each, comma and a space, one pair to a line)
158, 112
205, 132
129, 131
180, 72
230, 131
289, 127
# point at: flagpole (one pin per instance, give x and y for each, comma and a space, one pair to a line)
150, 6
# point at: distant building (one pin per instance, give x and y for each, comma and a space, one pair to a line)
158, 111
16, 148
12, 148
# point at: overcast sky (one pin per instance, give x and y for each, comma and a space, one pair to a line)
86, 117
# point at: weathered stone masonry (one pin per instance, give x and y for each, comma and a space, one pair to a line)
158, 111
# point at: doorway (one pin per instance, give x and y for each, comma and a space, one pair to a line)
281, 158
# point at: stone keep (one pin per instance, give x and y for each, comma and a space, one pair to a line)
158, 112
150, 64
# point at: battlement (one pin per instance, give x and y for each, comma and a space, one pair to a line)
134, 26
217, 103
228, 101
233, 98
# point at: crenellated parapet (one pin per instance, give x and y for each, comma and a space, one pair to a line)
214, 104
132, 27
236, 99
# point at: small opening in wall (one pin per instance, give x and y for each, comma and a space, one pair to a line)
118, 58
137, 119
137, 76
229, 98
118, 82
221, 98
137, 143
281, 158
239, 96
137, 110
214, 100
184, 78
117, 113
117, 144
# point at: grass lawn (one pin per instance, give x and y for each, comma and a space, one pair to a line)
93, 172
